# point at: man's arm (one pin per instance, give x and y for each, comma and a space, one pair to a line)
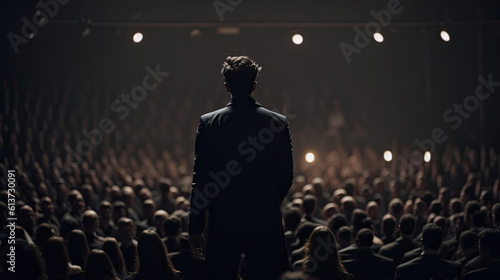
285, 165
199, 201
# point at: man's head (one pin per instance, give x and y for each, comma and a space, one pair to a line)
126, 229
239, 73
90, 221
309, 204
364, 238
76, 201
489, 244
432, 235
407, 224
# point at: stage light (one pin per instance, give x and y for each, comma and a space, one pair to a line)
137, 37
378, 37
445, 36
387, 156
309, 157
297, 39
427, 156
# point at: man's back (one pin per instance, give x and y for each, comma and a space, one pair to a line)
365, 264
427, 267
398, 248
243, 165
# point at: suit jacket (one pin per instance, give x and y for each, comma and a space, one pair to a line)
243, 168
428, 266
367, 265
491, 272
398, 248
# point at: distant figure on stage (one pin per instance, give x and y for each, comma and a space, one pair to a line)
243, 170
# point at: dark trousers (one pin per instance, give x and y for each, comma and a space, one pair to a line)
265, 254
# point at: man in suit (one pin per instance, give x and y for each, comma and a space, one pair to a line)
365, 264
489, 246
243, 170
396, 249
429, 265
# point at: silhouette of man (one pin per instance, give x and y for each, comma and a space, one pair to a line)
243, 169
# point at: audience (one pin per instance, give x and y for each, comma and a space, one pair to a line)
138, 180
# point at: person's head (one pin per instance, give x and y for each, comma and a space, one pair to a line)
27, 219
468, 193
337, 221
309, 204
329, 210
76, 201
388, 225
159, 218
149, 208
126, 229
128, 196
47, 206
474, 215
291, 218
90, 221
455, 206
407, 224
172, 226
56, 257
105, 211
468, 242
239, 74
78, 248
396, 207
489, 244
43, 233
364, 238
153, 260
320, 259
344, 236
357, 218
372, 209
432, 235
111, 248
119, 210
304, 231
99, 267
347, 205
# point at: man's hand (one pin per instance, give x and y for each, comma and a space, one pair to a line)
197, 243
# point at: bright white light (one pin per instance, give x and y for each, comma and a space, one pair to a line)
378, 37
297, 39
387, 156
309, 157
427, 156
445, 36
137, 37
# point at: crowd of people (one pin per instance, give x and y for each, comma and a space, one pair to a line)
119, 210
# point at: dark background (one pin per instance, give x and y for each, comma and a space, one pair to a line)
398, 89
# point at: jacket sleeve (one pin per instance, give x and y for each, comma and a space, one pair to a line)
285, 165
199, 200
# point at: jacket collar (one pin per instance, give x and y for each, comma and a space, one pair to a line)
244, 101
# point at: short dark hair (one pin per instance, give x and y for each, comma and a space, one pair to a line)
240, 72
389, 225
172, 226
345, 233
292, 218
468, 239
407, 224
337, 221
365, 237
432, 235
309, 203
490, 239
